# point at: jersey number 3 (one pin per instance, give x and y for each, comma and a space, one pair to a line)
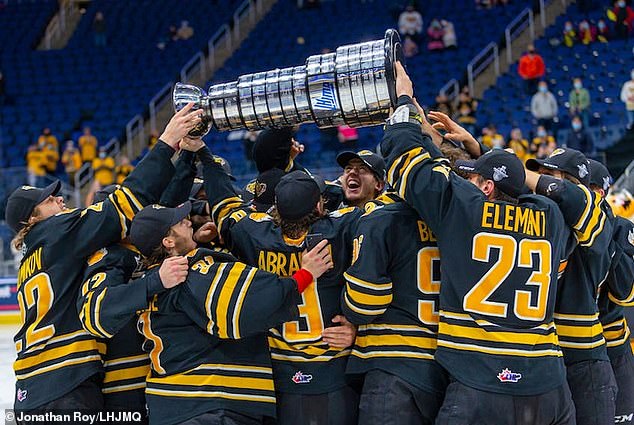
526, 306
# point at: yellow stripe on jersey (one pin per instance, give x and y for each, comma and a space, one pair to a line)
238, 308
369, 285
588, 228
55, 353
317, 359
195, 380
363, 311
500, 351
479, 334
368, 299
124, 360
127, 373
625, 302
394, 328
402, 162
210, 394
97, 320
86, 318
577, 317
122, 388
402, 185
132, 198
391, 340
210, 297
391, 354
56, 339
232, 279
65, 363
580, 331
124, 204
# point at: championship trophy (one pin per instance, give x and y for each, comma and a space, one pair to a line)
356, 86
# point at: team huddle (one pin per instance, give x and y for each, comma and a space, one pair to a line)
436, 283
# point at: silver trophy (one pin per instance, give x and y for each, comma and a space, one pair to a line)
356, 86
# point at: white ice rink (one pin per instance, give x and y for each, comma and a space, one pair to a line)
7, 357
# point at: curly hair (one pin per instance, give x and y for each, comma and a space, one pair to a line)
295, 228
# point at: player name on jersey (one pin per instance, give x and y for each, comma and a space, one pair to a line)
514, 218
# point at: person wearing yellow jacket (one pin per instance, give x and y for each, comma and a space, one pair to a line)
123, 169
71, 159
35, 165
103, 168
88, 146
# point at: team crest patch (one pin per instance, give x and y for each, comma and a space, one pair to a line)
556, 152
499, 173
157, 207
27, 188
365, 152
302, 378
583, 170
259, 188
507, 376
21, 395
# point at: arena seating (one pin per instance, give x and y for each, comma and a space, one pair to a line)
604, 68
86, 85
276, 43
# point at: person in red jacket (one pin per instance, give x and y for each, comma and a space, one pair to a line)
531, 69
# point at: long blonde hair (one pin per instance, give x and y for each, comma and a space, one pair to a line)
18, 240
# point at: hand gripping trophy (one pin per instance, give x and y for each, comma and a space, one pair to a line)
356, 86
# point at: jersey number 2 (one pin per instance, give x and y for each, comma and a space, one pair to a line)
27, 300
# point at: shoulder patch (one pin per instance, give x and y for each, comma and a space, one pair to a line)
97, 257
370, 207
259, 217
341, 212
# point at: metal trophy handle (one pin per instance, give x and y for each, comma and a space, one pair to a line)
356, 86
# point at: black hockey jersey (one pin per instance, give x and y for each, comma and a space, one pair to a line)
499, 267
55, 353
302, 362
392, 293
207, 341
107, 306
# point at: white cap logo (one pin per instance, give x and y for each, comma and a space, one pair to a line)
499, 173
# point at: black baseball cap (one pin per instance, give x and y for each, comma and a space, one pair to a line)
599, 175
153, 222
23, 201
297, 193
104, 192
372, 160
264, 188
567, 160
503, 167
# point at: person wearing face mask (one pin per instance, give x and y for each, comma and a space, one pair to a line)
579, 138
587, 32
603, 31
623, 17
544, 106
579, 100
569, 34
103, 168
544, 144
531, 68
627, 97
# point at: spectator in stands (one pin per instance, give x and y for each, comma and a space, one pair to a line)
99, 29
491, 138
449, 38
88, 146
623, 17
51, 157
103, 168
123, 170
531, 68
543, 144
348, 137
570, 36
47, 138
544, 106
35, 166
579, 138
519, 145
603, 31
466, 111
435, 35
410, 23
184, 32
71, 159
410, 48
579, 100
443, 105
587, 32
627, 97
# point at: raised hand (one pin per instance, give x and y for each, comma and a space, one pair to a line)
180, 124
206, 233
455, 133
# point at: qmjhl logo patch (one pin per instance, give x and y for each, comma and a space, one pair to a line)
301, 378
507, 376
